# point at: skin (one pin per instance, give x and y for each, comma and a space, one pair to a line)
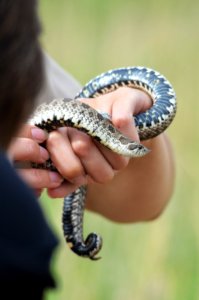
119, 188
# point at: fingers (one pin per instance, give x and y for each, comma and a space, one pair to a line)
77, 156
31, 132
94, 163
64, 158
122, 104
24, 149
122, 118
39, 179
63, 190
26, 146
128, 103
80, 159
117, 162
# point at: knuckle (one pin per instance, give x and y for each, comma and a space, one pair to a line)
105, 177
73, 173
122, 121
52, 139
82, 146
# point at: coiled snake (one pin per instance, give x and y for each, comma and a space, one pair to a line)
73, 113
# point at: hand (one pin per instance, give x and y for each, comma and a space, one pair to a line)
26, 148
79, 159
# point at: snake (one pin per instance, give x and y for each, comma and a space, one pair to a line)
76, 114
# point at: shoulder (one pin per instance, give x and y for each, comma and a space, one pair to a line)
27, 241
58, 83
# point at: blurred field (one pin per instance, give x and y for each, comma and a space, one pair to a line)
157, 260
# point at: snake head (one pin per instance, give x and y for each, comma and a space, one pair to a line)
137, 150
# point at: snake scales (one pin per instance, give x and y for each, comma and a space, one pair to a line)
73, 113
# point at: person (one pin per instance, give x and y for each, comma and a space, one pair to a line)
121, 189
26, 241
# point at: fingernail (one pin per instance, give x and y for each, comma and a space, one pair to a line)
55, 177
38, 134
44, 153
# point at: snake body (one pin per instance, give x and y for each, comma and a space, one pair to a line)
73, 113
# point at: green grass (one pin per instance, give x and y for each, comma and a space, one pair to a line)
157, 260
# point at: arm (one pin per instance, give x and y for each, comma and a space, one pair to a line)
139, 192
120, 189
133, 190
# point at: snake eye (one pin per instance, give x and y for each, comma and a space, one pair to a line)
138, 149
133, 146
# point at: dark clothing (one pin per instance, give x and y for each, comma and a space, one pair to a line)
26, 241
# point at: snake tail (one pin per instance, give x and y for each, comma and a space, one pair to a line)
72, 220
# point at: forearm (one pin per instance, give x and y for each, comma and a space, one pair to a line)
139, 192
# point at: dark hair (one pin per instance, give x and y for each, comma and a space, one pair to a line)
21, 70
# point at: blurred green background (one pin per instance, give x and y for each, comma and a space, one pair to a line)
156, 260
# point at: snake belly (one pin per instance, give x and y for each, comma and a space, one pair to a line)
73, 113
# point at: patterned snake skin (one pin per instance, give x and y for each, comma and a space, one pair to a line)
73, 113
